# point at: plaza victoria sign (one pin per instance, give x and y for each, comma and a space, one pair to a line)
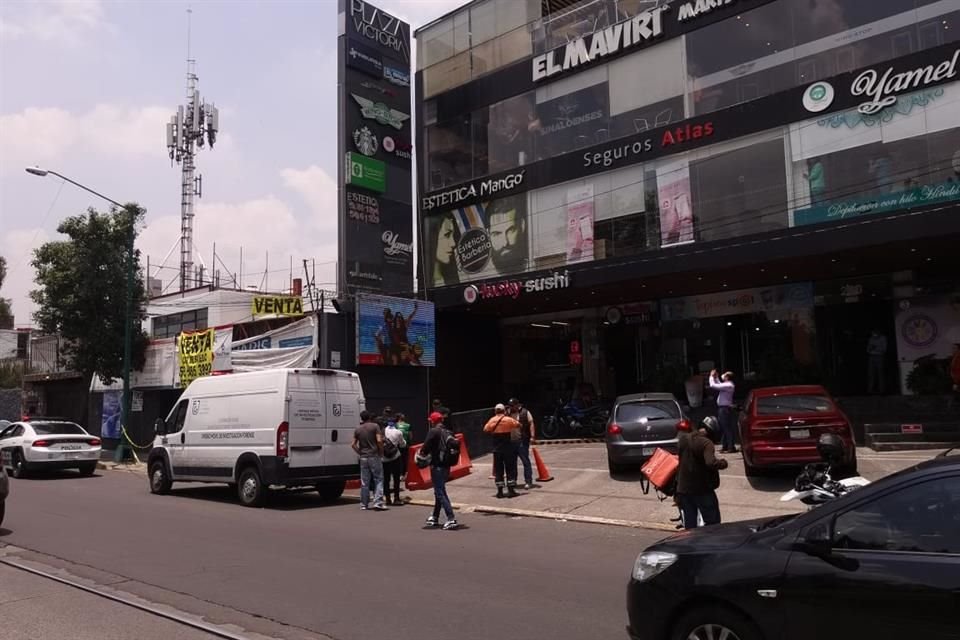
515, 288
381, 27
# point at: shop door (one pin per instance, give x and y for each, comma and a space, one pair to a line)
759, 349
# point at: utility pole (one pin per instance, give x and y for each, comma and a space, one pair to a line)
187, 130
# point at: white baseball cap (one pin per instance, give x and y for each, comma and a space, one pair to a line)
499, 407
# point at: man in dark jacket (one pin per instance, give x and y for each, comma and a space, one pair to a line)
439, 472
698, 475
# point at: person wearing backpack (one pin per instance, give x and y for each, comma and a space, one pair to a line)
528, 432
393, 444
443, 451
507, 435
698, 475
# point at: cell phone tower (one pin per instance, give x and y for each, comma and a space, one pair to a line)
193, 125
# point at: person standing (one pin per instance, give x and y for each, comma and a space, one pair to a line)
726, 412
438, 406
698, 476
433, 447
407, 432
528, 432
393, 444
506, 434
876, 354
368, 444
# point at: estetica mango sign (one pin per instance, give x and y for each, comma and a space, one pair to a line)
277, 306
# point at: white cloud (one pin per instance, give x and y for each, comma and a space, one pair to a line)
48, 133
62, 21
17, 246
269, 230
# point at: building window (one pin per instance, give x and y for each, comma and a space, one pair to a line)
739, 192
449, 153
172, 325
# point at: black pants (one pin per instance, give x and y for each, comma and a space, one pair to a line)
391, 473
706, 504
727, 417
505, 463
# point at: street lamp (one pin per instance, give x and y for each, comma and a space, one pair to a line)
128, 318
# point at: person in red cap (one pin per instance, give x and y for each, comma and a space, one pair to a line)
433, 446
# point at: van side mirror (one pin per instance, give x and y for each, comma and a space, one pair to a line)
160, 427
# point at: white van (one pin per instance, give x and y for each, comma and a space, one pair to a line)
282, 428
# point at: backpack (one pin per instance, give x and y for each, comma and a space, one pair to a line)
449, 449
389, 448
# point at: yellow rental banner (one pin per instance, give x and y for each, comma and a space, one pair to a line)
277, 305
195, 354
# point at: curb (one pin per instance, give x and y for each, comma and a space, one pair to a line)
538, 443
552, 515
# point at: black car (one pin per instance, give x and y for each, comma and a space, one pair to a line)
638, 425
881, 562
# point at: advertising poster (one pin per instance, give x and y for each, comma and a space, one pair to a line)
580, 224
676, 210
110, 415
478, 241
195, 354
395, 331
573, 121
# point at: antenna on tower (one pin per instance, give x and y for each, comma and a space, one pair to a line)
194, 124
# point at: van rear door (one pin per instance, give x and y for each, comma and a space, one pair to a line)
307, 419
344, 404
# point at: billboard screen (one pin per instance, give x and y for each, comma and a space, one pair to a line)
395, 331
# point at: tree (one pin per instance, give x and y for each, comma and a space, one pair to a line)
82, 291
6, 316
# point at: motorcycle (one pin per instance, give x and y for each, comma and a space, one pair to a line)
815, 484
568, 417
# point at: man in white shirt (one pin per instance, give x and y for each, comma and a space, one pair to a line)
393, 461
726, 413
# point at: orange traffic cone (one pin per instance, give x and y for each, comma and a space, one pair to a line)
353, 484
543, 474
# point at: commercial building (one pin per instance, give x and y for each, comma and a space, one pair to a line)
616, 195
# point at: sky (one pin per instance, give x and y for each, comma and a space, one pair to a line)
86, 89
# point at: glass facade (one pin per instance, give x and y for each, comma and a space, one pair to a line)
767, 50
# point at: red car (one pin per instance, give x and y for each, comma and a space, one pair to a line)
780, 426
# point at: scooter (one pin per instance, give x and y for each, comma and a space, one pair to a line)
815, 485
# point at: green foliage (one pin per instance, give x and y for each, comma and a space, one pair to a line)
930, 376
11, 374
82, 291
6, 315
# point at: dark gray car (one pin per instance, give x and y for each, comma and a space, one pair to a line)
638, 424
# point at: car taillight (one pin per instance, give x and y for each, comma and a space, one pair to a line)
283, 439
41, 443
683, 425
93, 442
614, 429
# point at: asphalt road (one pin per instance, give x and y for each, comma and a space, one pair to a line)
334, 571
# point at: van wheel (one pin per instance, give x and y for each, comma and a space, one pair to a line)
331, 491
250, 488
160, 482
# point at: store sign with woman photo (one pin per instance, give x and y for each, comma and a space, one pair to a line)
676, 212
479, 241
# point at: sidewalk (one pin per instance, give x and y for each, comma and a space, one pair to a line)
33, 607
582, 486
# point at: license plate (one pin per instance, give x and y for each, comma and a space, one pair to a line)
648, 451
71, 447
799, 434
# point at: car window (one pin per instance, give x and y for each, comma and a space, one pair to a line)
8, 432
57, 429
922, 518
178, 417
787, 405
649, 409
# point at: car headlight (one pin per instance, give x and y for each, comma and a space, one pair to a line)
651, 563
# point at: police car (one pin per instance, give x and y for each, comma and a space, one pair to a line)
47, 443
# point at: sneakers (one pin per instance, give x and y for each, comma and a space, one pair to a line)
432, 522
450, 524
364, 507
528, 486
381, 507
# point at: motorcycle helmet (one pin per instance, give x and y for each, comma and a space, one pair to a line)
831, 448
711, 425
